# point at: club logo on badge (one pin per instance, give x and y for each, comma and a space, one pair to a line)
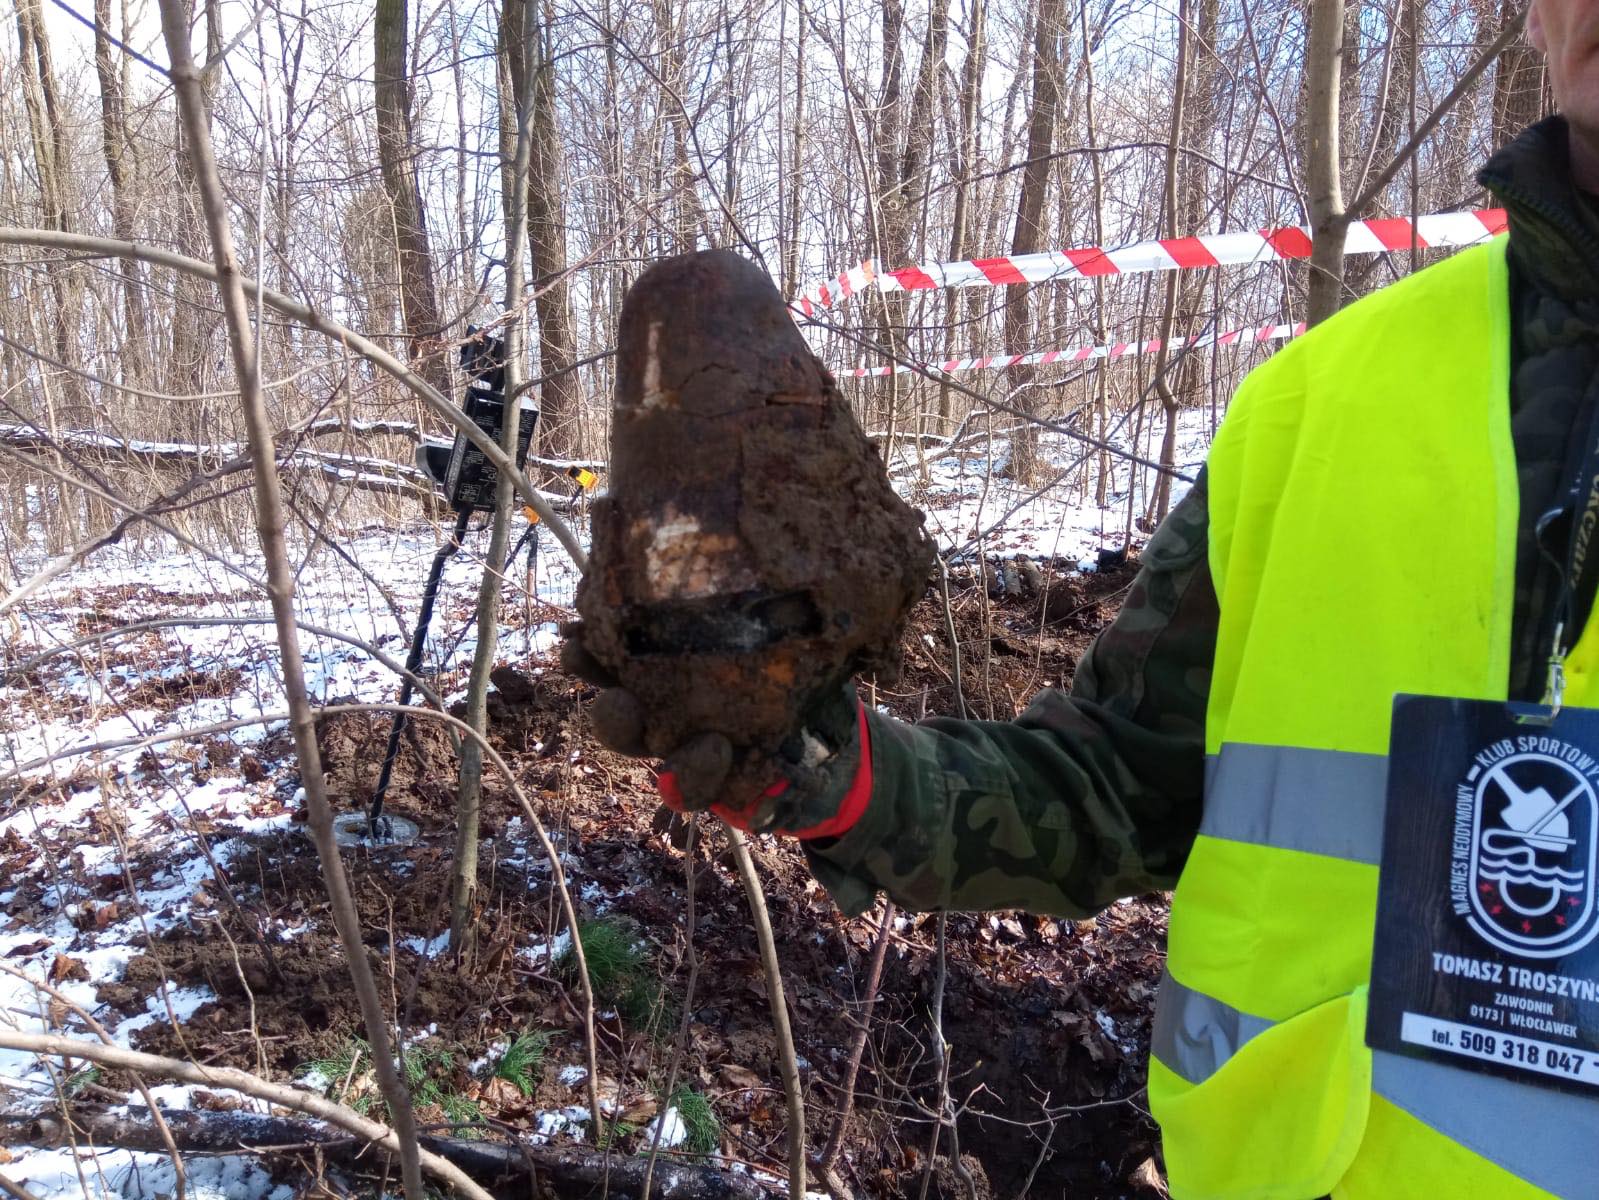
1526, 847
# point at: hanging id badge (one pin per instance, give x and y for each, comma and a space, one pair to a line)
1487, 939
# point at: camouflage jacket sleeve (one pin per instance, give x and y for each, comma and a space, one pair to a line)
1081, 800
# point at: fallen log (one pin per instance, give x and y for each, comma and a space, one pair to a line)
361, 472
568, 1172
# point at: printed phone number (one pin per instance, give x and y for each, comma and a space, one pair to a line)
1526, 1053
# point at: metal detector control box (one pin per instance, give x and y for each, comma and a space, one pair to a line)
470, 479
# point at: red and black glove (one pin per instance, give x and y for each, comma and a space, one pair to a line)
821, 775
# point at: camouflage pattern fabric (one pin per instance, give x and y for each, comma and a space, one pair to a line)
1096, 795
1080, 800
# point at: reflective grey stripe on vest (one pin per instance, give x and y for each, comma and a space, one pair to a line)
1542, 1136
1326, 802
1194, 1034
1546, 1137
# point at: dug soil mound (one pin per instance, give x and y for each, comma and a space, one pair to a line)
1047, 1020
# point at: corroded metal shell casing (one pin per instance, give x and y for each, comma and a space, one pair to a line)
749, 551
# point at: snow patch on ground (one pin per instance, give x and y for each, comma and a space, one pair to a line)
596, 898
26, 1009
549, 1125
972, 504
427, 948
129, 1175
1108, 1026
489, 1059
313, 1079
669, 1125
538, 951
55, 904
184, 1001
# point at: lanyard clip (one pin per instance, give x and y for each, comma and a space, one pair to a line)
1555, 682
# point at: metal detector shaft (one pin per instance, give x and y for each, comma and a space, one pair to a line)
413, 661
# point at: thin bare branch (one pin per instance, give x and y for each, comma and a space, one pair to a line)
771, 965
139, 1085
270, 527
1464, 84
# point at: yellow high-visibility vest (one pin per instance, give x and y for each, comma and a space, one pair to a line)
1363, 512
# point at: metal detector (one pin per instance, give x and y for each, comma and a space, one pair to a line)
468, 480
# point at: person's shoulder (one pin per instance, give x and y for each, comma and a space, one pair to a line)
1460, 284
1407, 316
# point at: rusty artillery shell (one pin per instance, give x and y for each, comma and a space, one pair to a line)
749, 551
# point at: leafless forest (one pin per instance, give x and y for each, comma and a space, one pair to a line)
361, 152
241, 246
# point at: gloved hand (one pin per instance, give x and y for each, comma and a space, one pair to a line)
821, 776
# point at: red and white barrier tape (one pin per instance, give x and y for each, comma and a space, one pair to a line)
1257, 333
1167, 254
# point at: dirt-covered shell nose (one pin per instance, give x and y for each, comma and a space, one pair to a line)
749, 553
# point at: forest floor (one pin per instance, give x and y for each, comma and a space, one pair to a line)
172, 892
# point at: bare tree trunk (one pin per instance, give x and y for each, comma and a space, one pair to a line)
1029, 234
730, 151
396, 149
1413, 80
618, 193
191, 330
966, 157
1195, 113
796, 158
50, 152
890, 226
1168, 398
1349, 94
44, 112
462, 281
1097, 321
118, 153
561, 395
1520, 91
903, 142
686, 215
1328, 220
914, 176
